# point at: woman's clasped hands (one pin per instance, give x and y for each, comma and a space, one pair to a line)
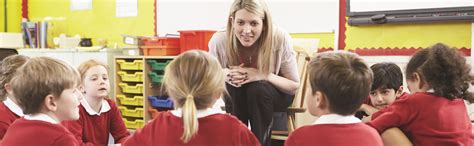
240, 75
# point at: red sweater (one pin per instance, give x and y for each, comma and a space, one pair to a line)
6, 119
95, 129
427, 120
37, 133
357, 134
214, 130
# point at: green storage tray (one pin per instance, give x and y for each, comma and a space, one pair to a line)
155, 78
158, 66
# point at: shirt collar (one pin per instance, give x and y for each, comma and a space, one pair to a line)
430, 90
336, 119
41, 117
105, 107
199, 113
13, 107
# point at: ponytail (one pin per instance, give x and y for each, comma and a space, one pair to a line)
190, 121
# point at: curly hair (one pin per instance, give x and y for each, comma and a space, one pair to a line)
444, 69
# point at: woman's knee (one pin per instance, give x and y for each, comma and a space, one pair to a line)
260, 88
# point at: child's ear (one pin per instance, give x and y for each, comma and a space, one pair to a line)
50, 103
8, 88
320, 100
81, 88
422, 85
399, 92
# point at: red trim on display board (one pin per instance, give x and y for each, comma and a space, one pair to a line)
154, 18
24, 9
342, 25
323, 49
398, 51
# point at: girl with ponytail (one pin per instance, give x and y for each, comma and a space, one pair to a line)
194, 80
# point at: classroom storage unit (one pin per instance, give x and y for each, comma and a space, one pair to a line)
160, 46
195, 39
139, 94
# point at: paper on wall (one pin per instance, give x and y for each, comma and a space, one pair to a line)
126, 8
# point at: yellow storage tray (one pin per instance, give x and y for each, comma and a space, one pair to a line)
135, 65
137, 112
137, 89
138, 123
135, 77
133, 101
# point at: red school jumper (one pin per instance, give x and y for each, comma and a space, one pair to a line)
6, 118
427, 120
355, 134
25, 132
95, 129
214, 130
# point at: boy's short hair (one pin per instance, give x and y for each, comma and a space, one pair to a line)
343, 78
387, 75
40, 77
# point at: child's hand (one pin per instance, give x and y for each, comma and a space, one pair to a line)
369, 110
366, 119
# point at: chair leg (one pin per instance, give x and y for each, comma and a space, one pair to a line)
291, 123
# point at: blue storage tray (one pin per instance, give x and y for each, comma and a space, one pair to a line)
160, 101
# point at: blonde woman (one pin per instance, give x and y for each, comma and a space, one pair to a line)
259, 64
194, 80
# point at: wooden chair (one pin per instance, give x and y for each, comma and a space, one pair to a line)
303, 58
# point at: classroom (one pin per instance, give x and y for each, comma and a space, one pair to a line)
135, 67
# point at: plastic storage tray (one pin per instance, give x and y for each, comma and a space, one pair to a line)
138, 123
134, 65
155, 78
161, 46
135, 77
160, 101
158, 65
137, 112
195, 39
137, 89
133, 101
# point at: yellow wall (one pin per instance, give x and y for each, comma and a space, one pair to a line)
14, 16
99, 22
2, 16
408, 35
326, 40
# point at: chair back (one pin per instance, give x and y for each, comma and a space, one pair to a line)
302, 60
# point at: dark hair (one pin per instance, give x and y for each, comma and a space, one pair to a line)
387, 75
444, 69
343, 78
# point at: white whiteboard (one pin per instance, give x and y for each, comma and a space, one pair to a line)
385, 5
295, 16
